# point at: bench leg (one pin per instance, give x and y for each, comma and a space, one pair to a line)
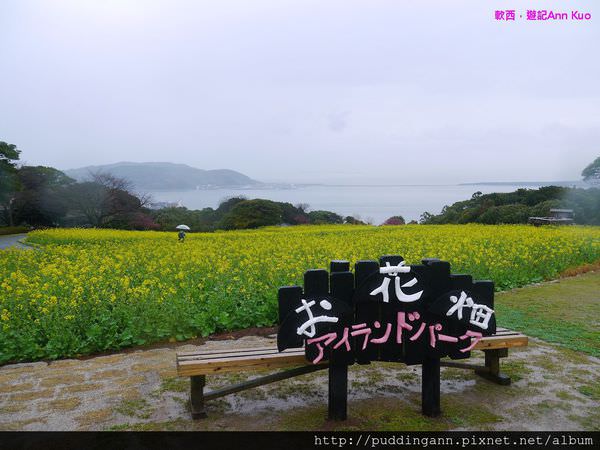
492, 363
338, 392
430, 387
197, 384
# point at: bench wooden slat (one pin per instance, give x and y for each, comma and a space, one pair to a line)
201, 353
266, 358
240, 354
495, 342
488, 343
265, 362
505, 333
208, 352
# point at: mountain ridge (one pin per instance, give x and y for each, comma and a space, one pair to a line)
165, 176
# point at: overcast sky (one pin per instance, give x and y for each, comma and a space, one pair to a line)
340, 91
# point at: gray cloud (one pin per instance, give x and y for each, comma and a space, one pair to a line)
338, 121
335, 91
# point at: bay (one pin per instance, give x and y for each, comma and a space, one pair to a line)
370, 203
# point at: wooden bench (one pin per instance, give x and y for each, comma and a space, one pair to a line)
197, 365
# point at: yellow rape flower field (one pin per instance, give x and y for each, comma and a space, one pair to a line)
87, 291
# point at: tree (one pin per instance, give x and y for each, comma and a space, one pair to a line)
252, 214
39, 177
88, 199
228, 204
591, 173
197, 220
395, 220
351, 220
324, 217
426, 218
506, 214
9, 154
106, 201
304, 207
293, 215
585, 204
542, 209
41, 200
142, 221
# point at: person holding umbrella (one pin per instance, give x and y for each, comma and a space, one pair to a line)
182, 229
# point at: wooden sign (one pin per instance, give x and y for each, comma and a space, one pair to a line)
384, 311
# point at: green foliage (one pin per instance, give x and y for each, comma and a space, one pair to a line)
514, 213
228, 204
542, 209
44, 196
353, 221
293, 215
40, 177
585, 204
516, 207
241, 213
13, 230
41, 201
9, 154
592, 171
324, 217
197, 220
252, 214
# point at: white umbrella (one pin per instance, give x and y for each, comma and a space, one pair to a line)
182, 227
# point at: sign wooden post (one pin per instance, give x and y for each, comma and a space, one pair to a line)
386, 310
430, 387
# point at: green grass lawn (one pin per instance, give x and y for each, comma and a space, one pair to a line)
566, 311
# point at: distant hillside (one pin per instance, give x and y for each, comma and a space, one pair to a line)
156, 176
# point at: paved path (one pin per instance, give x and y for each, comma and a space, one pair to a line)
552, 388
12, 240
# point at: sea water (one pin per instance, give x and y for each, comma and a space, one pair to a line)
369, 203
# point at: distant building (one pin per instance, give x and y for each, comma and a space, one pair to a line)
557, 217
561, 213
